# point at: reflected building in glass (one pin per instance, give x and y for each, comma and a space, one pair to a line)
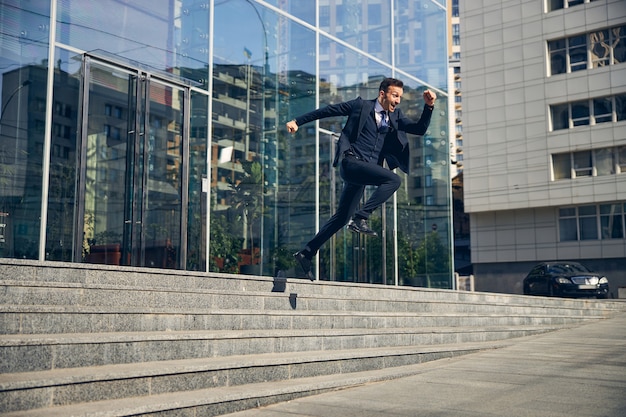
153, 135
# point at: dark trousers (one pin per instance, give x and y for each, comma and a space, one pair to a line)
356, 175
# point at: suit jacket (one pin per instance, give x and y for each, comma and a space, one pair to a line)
396, 148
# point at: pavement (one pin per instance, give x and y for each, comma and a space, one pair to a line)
567, 373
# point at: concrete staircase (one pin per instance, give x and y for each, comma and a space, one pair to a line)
96, 340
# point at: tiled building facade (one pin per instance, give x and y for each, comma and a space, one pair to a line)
544, 115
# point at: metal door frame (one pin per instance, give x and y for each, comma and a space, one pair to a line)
133, 210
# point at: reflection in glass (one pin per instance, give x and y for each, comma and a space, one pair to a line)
197, 212
140, 159
418, 25
23, 82
562, 166
133, 163
60, 244
361, 24
108, 140
611, 221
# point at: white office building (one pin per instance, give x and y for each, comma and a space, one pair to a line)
544, 115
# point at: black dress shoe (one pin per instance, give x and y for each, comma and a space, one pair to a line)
360, 226
305, 263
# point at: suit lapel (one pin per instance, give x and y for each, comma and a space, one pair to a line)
366, 111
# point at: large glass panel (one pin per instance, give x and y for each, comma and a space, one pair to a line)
169, 36
23, 84
362, 24
304, 10
162, 191
109, 140
424, 229
66, 114
133, 163
263, 71
197, 210
346, 75
420, 40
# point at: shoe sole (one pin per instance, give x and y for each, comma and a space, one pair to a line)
359, 231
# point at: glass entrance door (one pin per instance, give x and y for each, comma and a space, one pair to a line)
133, 137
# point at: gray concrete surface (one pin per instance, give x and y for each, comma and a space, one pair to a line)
568, 373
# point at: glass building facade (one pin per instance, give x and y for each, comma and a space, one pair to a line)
151, 133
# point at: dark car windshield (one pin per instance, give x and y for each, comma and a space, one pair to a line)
567, 269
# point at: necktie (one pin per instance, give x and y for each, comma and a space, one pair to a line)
383, 120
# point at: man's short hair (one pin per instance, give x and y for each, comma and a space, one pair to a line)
389, 82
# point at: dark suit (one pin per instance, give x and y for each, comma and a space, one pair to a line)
358, 172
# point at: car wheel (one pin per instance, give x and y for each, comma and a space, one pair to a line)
602, 296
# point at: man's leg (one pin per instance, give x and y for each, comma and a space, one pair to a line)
348, 203
364, 173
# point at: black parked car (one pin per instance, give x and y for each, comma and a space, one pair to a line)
565, 279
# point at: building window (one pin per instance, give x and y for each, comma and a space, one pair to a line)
374, 42
604, 161
597, 162
621, 158
611, 221
590, 50
588, 112
456, 34
582, 164
603, 110
374, 14
563, 4
562, 166
620, 107
587, 223
580, 113
607, 46
592, 222
567, 224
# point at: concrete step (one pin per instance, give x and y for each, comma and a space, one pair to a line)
26, 319
63, 293
59, 351
227, 399
100, 340
74, 386
105, 276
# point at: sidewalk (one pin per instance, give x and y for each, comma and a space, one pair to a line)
569, 373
